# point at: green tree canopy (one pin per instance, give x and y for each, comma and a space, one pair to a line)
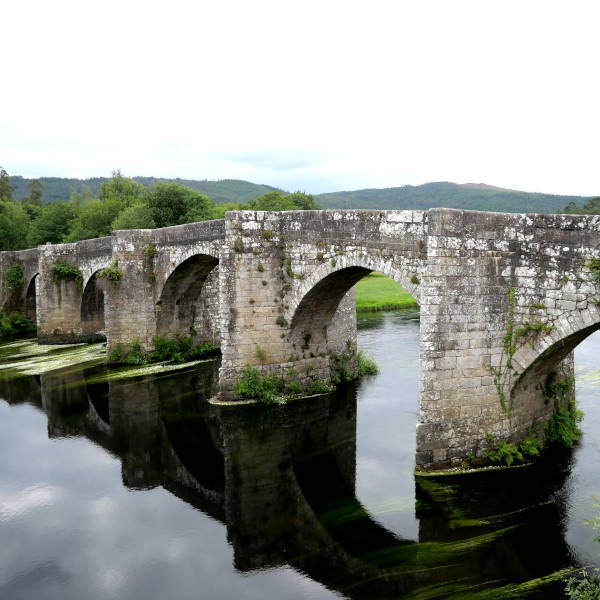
5, 187
95, 219
14, 225
136, 216
36, 191
591, 207
278, 200
174, 204
52, 224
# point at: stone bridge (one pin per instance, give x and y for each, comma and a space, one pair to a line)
504, 300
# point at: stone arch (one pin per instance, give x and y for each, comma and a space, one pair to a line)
321, 293
30, 300
538, 361
549, 349
92, 307
180, 305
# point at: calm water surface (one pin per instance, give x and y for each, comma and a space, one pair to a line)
141, 489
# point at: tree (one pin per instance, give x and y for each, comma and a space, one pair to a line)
278, 200
272, 201
36, 191
136, 216
52, 224
14, 225
120, 188
173, 204
591, 207
95, 219
5, 186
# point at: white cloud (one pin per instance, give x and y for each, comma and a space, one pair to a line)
378, 94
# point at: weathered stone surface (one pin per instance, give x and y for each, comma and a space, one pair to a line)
275, 291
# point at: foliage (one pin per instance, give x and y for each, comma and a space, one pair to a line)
14, 276
136, 216
36, 191
174, 204
150, 251
365, 365
414, 278
5, 186
377, 292
278, 200
14, 225
95, 219
504, 453
590, 207
562, 427
52, 224
593, 264
584, 586
177, 349
62, 270
112, 273
263, 388
15, 324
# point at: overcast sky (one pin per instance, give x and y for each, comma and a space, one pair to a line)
314, 95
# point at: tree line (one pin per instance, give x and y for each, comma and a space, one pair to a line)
121, 203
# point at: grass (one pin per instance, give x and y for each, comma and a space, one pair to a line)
377, 292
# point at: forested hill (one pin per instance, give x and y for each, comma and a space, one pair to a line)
429, 195
60, 188
468, 196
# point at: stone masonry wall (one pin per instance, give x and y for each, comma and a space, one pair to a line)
284, 275
488, 274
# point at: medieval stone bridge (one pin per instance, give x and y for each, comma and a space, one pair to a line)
504, 300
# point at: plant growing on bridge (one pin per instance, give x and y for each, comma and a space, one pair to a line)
593, 264
150, 251
112, 273
63, 271
14, 276
504, 371
414, 278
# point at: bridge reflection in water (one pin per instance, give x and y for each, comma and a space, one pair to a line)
282, 479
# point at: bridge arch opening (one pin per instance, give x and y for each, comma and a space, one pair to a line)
189, 300
30, 303
92, 308
534, 392
311, 324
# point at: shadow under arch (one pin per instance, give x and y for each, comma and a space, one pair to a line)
314, 312
178, 307
92, 308
30, 304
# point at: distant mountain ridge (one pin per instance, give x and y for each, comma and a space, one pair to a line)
468, 196
60, 188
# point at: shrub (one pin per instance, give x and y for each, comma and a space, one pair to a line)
150, 250
254, 385
319, 386
112, 273
414, 278
504, 453
15, 324
365, 365
14, 276
562, 427
62, 270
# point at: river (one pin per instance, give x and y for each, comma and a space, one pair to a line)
127, 488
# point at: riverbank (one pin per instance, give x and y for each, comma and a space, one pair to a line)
377, 292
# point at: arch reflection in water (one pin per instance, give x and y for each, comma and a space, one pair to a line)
282, 480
